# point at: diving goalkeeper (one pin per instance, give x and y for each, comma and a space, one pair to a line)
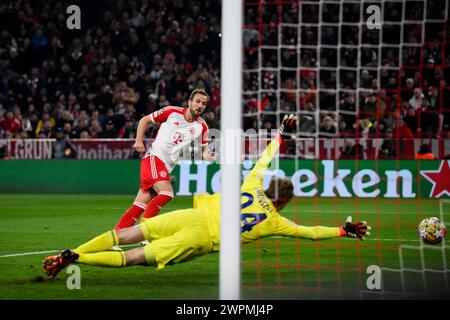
182, 235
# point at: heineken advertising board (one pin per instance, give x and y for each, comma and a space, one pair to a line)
332, 178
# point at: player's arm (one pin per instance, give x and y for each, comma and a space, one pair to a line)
208, 154
140, 133
288, 228
158, 116
284, 134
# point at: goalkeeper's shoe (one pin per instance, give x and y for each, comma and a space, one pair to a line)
287, 127
355, 230
54, 264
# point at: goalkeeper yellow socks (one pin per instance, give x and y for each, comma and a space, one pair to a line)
149, 255
104, 259
102, 242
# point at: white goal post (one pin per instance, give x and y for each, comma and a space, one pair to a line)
231, 124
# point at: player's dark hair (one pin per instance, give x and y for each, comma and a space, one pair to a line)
280, 190
199, 91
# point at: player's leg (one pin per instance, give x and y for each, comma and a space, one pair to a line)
155, 177
115, 259
144, 195
164, 192
92, 252
112, 238
133, 213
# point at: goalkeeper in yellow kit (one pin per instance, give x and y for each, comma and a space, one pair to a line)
182, 235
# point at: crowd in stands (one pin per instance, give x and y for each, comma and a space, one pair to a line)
129, 59
373, 83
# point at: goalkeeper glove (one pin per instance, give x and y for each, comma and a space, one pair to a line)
287, 127
355, 230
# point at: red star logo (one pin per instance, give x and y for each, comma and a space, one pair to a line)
440, 179
176, 123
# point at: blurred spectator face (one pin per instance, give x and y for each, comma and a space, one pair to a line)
110, 112
350, 98
84, 135
418, 93
31, 109
389, 133
365, 123
267, 125
109, 125
411, 112
372, 99
67, 128
434, 91
47, 125
365, 75
210, 115
409, 83
327, 122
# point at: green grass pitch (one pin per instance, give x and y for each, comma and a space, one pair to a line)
272, 268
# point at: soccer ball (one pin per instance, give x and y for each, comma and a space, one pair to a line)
432, 230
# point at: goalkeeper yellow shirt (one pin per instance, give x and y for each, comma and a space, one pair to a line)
259, 218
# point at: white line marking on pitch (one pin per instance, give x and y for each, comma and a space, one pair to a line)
27, 253
131, 245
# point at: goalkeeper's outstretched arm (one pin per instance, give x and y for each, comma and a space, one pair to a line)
284, 133
351, 230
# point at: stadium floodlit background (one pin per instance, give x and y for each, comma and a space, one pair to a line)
367, 99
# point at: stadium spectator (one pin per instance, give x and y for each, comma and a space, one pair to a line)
179, 127
387, 150
327, 127
402, 130
4, 153
416, 100
424, 153
352, 150
10, 124
411, 120
183, 235
124, 97
41, 61
430, 120
62, 148
128, 131
211, 120
109, 132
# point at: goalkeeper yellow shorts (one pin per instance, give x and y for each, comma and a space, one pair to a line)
177, 236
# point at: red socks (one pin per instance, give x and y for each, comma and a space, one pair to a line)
130, 217
156, 204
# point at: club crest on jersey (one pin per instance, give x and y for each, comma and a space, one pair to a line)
163, 174
192, 131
